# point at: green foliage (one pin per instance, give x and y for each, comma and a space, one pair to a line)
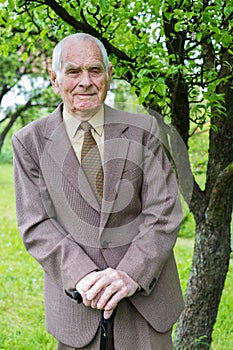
156, 41
21, 297
199, 147
23, 71
6, 153
124, 99
188, 226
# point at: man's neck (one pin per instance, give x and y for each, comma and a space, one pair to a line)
83, 116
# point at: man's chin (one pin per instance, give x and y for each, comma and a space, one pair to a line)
85, 109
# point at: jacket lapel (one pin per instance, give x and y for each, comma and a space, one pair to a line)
60, 150
116, 147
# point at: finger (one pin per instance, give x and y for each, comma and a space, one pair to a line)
89, 281
101, 284
95, 300
105, 278
86, 302
108, 314
115, 299
86, 282
106, 296
115, 291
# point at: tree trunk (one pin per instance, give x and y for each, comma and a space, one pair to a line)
212, 211
209, 269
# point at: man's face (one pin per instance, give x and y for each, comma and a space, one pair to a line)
82, 81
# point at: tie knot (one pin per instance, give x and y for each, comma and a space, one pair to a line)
85, 126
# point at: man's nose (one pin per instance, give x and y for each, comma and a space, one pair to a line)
85, 79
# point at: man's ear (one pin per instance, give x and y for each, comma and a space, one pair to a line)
54, 81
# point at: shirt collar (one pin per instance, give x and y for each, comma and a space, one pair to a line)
72, 123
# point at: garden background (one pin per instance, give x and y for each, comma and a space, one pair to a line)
176, 57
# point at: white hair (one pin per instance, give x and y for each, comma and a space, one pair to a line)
57, 52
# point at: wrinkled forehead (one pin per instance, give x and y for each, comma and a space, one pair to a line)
83, 49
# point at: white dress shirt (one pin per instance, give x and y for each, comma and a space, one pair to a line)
76, 134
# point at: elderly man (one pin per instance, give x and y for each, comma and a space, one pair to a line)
98, 208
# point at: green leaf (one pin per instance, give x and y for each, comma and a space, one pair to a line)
168, 15
214, 127
103, 4
226, 40
179, 14
198, 37
142, 72
25, 56
11, 5
144, 93
161, 86
177, 26
43, 33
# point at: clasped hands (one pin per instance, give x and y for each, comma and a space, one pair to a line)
104, 289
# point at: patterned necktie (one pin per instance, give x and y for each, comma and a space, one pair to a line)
91, 161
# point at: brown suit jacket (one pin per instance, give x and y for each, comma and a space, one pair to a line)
65, 229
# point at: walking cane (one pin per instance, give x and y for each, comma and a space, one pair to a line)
104, 331
106, 338
104, 324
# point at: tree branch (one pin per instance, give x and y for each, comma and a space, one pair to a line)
4, 91
12, 120
223, 184
198, 202
85, 27
14, 116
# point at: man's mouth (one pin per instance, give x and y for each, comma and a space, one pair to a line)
85, 95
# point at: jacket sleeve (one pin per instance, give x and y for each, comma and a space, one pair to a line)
57, 252
162, 215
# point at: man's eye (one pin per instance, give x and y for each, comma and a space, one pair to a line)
73, 72
95, 70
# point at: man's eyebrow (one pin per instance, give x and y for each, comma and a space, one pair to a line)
96, 64
71, 66
90, 66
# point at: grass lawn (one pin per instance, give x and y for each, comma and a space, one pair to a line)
21, 293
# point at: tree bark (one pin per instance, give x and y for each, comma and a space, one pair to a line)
209, 268
212, 212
